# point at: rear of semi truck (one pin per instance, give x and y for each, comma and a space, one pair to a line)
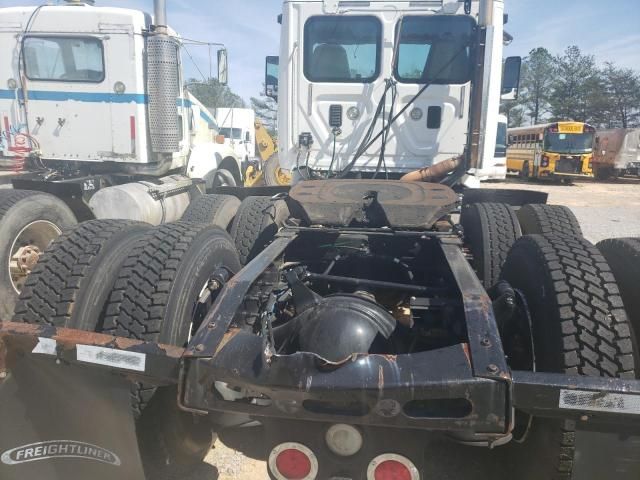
373, 318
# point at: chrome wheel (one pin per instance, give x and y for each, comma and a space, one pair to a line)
27, 247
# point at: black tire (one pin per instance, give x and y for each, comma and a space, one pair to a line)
579, 327
603, 173
219, 178
223, 178
71, 282
490, 229
256, 223
548, 220
270, 172
153, 299
218, 210
18, 210
623, 256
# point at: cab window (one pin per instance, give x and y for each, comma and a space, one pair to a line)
342, 49
435, 49
63, 59
232, 133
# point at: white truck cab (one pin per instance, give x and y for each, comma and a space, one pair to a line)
97, 86
96, 124
381, 88
237, 125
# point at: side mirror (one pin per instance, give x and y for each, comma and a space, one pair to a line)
223, 70
271, 72
511, 78
247, 137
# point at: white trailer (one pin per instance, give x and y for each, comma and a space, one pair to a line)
354, 69
238, 126
95, 117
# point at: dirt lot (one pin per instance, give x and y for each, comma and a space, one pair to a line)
604, 209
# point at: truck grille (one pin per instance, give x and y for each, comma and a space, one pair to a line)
569, 165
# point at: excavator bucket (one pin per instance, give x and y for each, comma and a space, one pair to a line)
65, 410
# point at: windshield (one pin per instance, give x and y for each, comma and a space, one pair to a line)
501, 140
342, 49
233, 133
67, 59
568, 142
435, 49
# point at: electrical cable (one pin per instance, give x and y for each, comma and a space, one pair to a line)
333, 154
361, 151
27, 27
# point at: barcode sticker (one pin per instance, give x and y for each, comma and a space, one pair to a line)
111, 357
600, 402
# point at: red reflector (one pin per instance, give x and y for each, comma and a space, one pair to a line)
293, 464
392, 470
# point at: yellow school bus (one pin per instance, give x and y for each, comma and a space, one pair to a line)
553, 150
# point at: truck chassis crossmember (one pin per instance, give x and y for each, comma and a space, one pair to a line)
466, 387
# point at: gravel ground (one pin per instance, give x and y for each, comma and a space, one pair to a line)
605, 210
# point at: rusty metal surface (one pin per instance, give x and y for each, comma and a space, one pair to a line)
215, 325
374, 203
364, 389
485, 346
17, 339
616, 147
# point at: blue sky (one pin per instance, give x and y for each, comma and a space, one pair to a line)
609, 29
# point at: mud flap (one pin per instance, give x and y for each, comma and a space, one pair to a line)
62, 422
601, 455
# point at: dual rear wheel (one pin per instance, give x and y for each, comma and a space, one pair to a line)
133, 280
578, 320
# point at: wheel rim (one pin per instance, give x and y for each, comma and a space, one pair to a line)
26, 249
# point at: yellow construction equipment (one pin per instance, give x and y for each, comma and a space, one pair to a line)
267, 170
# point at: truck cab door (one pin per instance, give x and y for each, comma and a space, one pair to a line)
68, 95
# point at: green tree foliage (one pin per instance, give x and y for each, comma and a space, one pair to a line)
266, 110
574, 86
571, 86
214, 95
623, 92
537, 76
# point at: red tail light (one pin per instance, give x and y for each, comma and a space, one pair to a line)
390, 466
293, 461
545, 161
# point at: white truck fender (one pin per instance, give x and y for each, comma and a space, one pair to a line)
206, 158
